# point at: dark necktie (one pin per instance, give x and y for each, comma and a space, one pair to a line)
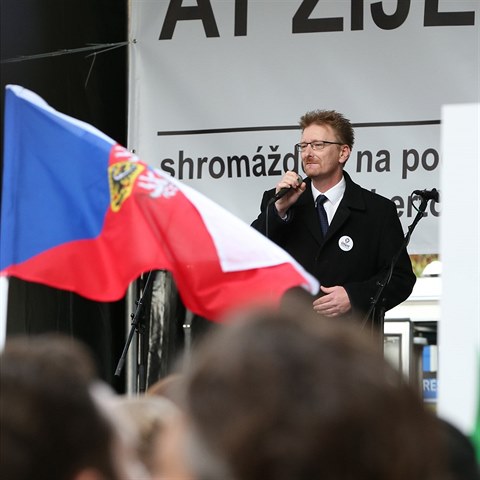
322, 214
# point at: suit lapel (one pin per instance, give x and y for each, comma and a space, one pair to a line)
352, 200
340, 217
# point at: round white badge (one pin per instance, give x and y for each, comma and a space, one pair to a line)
345, 243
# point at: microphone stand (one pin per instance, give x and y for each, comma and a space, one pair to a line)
377, 309
137, 326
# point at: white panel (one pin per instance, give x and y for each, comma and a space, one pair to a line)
459, 329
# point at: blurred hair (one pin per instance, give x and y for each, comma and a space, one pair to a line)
51, 427
149, 417
166, 387
460, 453
285, 395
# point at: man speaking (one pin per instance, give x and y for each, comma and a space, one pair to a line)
343, 234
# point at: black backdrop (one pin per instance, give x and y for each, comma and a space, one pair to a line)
90, 88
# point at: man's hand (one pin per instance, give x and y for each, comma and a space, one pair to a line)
334, 303
294, 182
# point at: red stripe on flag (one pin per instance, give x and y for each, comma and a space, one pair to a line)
157, 233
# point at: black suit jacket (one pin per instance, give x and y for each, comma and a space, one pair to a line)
364, 219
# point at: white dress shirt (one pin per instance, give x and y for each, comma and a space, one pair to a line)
334, 196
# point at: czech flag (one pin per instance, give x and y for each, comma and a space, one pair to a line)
81, 213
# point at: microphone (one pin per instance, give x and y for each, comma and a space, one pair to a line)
433, 194
283, 191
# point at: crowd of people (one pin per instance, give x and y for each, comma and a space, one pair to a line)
277, 394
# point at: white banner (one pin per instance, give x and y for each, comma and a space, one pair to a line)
217, 88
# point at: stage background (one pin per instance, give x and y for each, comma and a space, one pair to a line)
216, 90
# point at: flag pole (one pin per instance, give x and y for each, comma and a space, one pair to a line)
3, 310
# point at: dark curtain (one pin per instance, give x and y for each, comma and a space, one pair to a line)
92, 88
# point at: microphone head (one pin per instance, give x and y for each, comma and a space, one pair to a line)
282, 192
433, 194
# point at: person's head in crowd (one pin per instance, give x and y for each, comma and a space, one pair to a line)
282, 396
150, 417
460, 453
52, 427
